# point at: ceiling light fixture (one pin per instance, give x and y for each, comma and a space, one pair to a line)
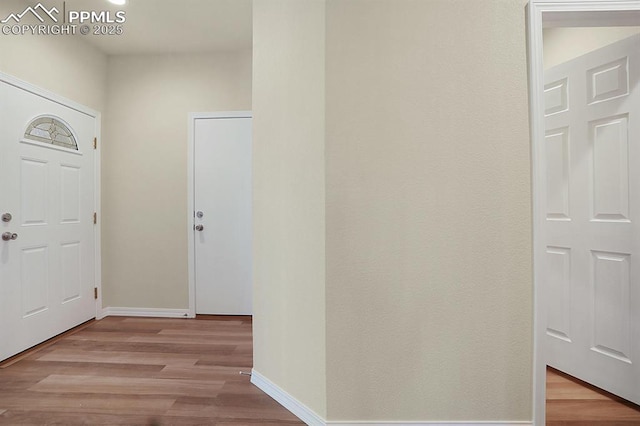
118, 2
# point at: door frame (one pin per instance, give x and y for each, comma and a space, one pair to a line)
554, 13
96, 115
191, 207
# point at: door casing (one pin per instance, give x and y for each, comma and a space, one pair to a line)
38, 91
559, 13
191, 194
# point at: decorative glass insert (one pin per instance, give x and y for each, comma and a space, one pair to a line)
47, 129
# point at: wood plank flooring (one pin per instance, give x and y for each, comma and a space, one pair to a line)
153, 371
141, 371
571, 402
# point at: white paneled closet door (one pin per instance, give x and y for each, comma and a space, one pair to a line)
592, 228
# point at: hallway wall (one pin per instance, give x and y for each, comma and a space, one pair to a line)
429, 263
289, 197
144, 178
404, 136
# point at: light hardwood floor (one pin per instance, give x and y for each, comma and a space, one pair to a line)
145, 371
141, 371
571, 402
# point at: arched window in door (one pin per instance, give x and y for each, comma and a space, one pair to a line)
51, 130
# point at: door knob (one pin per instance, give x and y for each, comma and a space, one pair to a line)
198, 227
8, 236
6, 217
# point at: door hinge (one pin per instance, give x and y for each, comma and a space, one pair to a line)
95, 143
95, 218
95, 292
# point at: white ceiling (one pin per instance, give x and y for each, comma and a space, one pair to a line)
174, 26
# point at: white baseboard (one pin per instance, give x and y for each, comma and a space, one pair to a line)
101, 313
431, 423
145, 312
308, 416
297, 408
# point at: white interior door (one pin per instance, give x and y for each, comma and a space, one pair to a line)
47, 273
592, 282
222, 217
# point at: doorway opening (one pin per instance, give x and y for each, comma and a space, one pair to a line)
588, 13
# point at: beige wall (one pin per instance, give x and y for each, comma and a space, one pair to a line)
144, 175
563, 44
429, 263
289, 197
65, 65
426, 189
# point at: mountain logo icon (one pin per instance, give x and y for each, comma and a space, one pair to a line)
43, 11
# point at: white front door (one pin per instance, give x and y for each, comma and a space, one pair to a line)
592, 275
47, 263
222, 216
